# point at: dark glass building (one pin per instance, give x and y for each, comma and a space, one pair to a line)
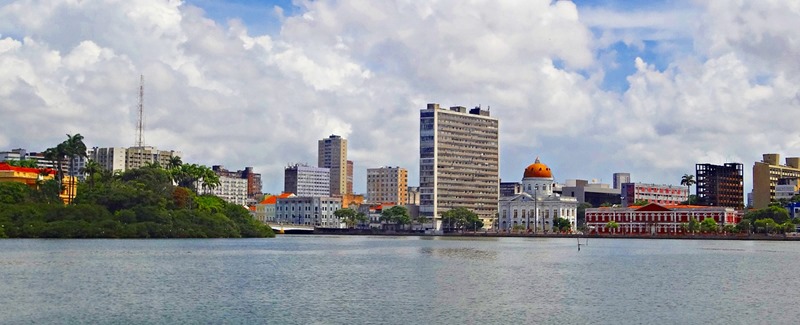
720, 185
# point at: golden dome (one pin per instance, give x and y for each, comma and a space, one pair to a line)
538, 169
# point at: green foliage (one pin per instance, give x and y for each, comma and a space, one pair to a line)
641, 202
693, 225
13, 192
744, 226
462, 218
778, 214
561, 224
709, 225
351, 217
397, 214
140, 203
612, 225
688, 180
29, 163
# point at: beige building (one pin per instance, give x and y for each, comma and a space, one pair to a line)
122, 159
459, 162
332, 154
387, 185
766, 174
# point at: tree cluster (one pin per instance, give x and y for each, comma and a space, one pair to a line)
139, 203
461, 219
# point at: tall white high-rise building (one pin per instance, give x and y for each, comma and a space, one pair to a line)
459, 162
332, 154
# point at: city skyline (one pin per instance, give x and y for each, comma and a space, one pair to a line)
593, 88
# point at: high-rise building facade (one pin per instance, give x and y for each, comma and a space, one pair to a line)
349, 177
332, 154
307, 181
766, 174
387, 185
111, 159
621, 178
720, 185
122, 159
137, 157
459, 162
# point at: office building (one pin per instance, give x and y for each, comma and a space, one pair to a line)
786, 189
459, 166
310, 211
621, 178
653, 193
349, 187
387, 185
766, 174
332, 154
510, 188
596, 194
720, 185
122, 159
307, 181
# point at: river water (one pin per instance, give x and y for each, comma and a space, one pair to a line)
398, 280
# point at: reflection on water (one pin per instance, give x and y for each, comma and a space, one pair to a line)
402, 280
462, 252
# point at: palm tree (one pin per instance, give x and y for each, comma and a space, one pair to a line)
56, 155
74, 147
688, 180
174, 162
91, 168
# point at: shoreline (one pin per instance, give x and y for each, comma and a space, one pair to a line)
760, 237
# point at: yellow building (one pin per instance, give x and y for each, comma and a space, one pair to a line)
32, 177
766, 174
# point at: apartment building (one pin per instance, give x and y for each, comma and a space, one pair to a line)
459, 162
387, 185
332, 154
307, 181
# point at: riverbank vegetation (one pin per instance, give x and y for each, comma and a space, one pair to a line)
139, 203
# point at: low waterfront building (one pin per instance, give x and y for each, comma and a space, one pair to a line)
537, 206
265, 210
309, 211
32, 177
656, 219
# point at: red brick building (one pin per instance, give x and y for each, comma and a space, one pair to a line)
655, 219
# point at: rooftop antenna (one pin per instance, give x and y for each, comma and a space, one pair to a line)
140, 123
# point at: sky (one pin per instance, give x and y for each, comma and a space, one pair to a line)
589, 87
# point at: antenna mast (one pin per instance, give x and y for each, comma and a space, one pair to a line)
140, 124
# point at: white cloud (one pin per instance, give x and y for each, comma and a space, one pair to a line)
363, 69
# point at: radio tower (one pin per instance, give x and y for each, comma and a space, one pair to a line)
140, 124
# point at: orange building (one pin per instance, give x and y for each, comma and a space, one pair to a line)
33, 176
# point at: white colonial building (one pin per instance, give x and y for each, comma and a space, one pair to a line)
536, 207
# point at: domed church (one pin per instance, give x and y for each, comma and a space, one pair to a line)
536, 207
